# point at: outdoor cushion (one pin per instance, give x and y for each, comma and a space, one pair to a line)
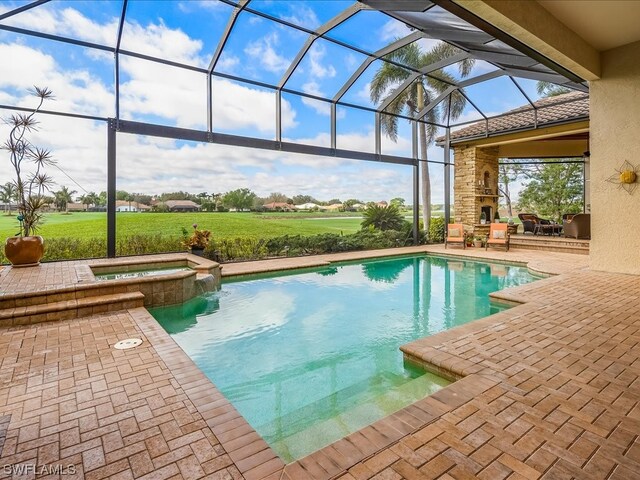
454, 232
499, 234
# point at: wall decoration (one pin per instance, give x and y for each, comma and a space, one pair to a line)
626, 177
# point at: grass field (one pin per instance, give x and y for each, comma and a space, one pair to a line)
223, 225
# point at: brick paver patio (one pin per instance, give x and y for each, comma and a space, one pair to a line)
548, 389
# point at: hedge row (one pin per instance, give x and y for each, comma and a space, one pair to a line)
233, 249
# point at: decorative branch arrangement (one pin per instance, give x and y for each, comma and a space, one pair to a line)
30, 187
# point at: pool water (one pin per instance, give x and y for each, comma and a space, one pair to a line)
311, 356
141, 273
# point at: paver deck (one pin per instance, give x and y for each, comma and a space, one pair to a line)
549, 389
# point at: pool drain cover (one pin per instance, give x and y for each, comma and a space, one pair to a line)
128, 343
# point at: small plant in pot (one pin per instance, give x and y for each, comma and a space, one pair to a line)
469, 239
478, 241
496, 217
197, 241
483, 218
31, 184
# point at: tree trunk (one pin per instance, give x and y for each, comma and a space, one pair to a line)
424, 167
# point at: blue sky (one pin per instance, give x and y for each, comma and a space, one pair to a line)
258, 49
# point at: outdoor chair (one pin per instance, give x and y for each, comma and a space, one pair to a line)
531, 222
578, 226
498, 236
455, 234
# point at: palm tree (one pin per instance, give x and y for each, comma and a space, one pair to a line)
85, 200
382, 218
129, 198
548, 89
416, 96
92, 199
63, 197
8, 193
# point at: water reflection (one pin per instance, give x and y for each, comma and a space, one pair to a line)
305, 356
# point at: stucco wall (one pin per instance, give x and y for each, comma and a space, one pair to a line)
615, 137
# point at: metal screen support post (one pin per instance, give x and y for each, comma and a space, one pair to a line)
334, 128
111, 188
416, 183
447, 177
378, 134
209, 104
279, 116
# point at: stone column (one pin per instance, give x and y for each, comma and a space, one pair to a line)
475, 183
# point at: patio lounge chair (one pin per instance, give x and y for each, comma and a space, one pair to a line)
531, 222
498, 236
455, 234
578, 226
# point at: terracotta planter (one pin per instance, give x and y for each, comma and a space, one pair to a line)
24, 251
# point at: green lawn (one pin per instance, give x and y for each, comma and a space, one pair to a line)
223, 225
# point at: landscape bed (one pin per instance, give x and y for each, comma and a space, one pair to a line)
309, 356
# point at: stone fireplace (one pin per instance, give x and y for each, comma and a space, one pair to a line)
475, 186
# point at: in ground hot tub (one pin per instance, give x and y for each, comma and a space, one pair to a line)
163, 279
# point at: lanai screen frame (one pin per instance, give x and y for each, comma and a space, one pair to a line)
394, 9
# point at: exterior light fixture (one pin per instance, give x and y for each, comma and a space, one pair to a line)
626, 177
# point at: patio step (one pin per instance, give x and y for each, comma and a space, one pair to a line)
68, 309
551, 244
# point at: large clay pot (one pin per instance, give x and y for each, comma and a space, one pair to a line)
24, 251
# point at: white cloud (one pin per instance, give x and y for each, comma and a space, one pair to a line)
318, 70
262, 50
320, 107
153, 39
302, 15
364, 93
393, 29
227, 63
76, 91
150, 165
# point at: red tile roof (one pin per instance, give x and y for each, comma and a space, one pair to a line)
573, 105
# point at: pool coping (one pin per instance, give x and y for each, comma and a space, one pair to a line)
256, 460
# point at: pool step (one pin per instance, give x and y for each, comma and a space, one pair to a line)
68, 309
550, 244
381, 389
363, 410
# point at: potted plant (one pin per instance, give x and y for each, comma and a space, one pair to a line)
31, 184
469, 239
483, 218
197, 241
496, 217
478, 241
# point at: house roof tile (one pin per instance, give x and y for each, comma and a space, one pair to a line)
568, 106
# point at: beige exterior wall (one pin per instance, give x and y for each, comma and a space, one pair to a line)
615, 137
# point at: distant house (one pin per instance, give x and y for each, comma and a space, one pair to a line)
182, 206
279, 206
358, 206
124, 206
306, 206
76, 207
382, 204
5, 207
333, 207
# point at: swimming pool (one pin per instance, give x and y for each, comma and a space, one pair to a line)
308, 357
